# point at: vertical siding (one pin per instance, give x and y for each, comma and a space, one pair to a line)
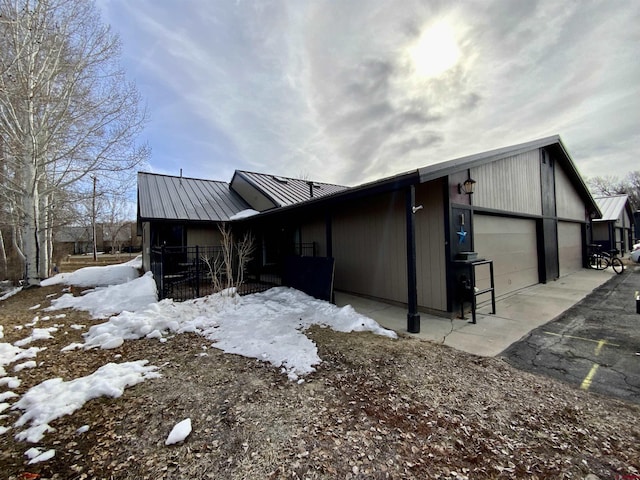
568, 202
369, 247
313, 230
430, 247
511, 184
203, 236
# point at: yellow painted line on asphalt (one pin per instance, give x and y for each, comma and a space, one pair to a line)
603, 342
586, 383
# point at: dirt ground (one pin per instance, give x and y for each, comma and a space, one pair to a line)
375, 408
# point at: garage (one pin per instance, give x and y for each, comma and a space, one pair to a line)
569, 247
511, 244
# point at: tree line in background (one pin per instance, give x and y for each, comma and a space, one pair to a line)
69, 120
612, 185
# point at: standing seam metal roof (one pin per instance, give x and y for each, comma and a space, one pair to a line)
285, 191
611, 207
180, 198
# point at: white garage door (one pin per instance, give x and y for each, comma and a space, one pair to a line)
569, 247
511, 244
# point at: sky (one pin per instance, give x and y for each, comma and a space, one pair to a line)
268, 326
351, 91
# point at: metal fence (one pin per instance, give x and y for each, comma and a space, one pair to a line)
183, 273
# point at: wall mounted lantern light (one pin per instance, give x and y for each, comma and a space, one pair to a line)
467, 187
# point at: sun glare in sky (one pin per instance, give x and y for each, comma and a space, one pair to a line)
436, 51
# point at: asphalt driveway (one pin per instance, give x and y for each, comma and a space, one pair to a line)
594, 345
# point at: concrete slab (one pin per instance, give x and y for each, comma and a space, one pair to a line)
516, 314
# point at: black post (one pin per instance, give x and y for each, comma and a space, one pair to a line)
413, 317
161, 293
197, 280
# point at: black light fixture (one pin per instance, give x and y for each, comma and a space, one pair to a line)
467, 187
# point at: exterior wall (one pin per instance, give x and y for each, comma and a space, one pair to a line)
511, 184
430, 247
369, 246
568, 203
203, 236
569, 247
314, 230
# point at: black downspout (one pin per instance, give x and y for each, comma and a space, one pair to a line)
413, 317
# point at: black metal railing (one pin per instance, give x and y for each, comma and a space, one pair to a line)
183, 273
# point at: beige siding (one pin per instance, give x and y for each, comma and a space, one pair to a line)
430, 247
568, 202
314, 231
203, 236
569, 247
369, 248
511, 244
511, 184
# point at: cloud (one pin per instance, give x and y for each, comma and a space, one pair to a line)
328, 89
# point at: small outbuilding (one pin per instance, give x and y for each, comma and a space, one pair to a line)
614, 230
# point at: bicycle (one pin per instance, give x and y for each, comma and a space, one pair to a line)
599, 260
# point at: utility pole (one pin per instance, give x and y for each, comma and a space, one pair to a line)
93, 219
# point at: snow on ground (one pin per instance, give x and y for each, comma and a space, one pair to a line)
268, 326
101, 302
98, 276
55, 398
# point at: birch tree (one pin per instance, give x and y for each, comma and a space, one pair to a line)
66, 112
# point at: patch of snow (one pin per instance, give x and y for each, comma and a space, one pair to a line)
10, 293
36, 334
102, 302
82, 429
36, 455
10, 382
244, 214
35, 307
22, 366
55, 398
179, 432
3, 430
11, 353
98, 276
7, 395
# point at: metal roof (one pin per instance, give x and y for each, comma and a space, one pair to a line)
285, 191
180, 198
611, 207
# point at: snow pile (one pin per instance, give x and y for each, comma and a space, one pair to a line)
133, 295
249, 212
55, 398
179, 432
98, 276
268, 326
10, 293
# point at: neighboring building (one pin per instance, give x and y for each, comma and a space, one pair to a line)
614, 230
400, 239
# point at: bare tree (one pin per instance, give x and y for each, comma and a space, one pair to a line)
228, 265
612, 185
66, 112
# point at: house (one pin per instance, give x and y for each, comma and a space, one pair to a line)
614, 230
405, 239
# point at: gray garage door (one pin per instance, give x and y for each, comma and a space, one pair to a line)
569, 247
511, 244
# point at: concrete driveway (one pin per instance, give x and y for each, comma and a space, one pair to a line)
594, 345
